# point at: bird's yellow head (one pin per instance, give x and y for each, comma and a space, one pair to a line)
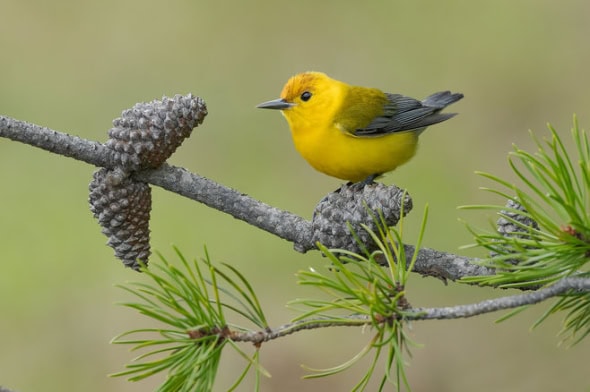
309, 98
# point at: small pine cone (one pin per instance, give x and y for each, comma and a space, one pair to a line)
355, 206
122, 207
147, 134
507, 227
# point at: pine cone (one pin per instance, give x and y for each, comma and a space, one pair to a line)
122, 207
506, 227
147, 134
355, 206
142, 138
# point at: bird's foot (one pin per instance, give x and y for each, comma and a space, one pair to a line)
358, 186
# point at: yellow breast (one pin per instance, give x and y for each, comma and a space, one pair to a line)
322, 132
340, 154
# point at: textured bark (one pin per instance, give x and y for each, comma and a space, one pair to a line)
329, 227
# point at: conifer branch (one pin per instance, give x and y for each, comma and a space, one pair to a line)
565, 285
286, 225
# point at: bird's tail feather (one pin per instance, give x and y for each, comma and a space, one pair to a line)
441, 99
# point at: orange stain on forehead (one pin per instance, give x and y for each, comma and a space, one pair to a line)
299, 83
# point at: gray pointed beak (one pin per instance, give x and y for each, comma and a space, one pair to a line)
279, 104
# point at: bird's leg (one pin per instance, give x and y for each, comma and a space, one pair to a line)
361, 184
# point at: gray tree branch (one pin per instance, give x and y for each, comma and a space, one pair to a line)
565, 285
281, 223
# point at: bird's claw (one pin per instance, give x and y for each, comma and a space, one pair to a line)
358, 186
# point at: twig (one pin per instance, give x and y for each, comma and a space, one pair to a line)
266, 335
581, 285
59, 143
281, 223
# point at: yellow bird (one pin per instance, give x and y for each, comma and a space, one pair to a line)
355, 133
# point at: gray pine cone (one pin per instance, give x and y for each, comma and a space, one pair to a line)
147, 134
142, 138
122, 207
356, 206
506, 226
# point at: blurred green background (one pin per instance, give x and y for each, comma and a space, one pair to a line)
75, 65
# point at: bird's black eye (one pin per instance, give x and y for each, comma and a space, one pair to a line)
305, 96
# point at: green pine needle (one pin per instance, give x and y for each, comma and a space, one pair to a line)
554, 192
359, 285
190, 302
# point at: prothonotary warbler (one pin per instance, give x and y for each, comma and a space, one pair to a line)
355, 133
